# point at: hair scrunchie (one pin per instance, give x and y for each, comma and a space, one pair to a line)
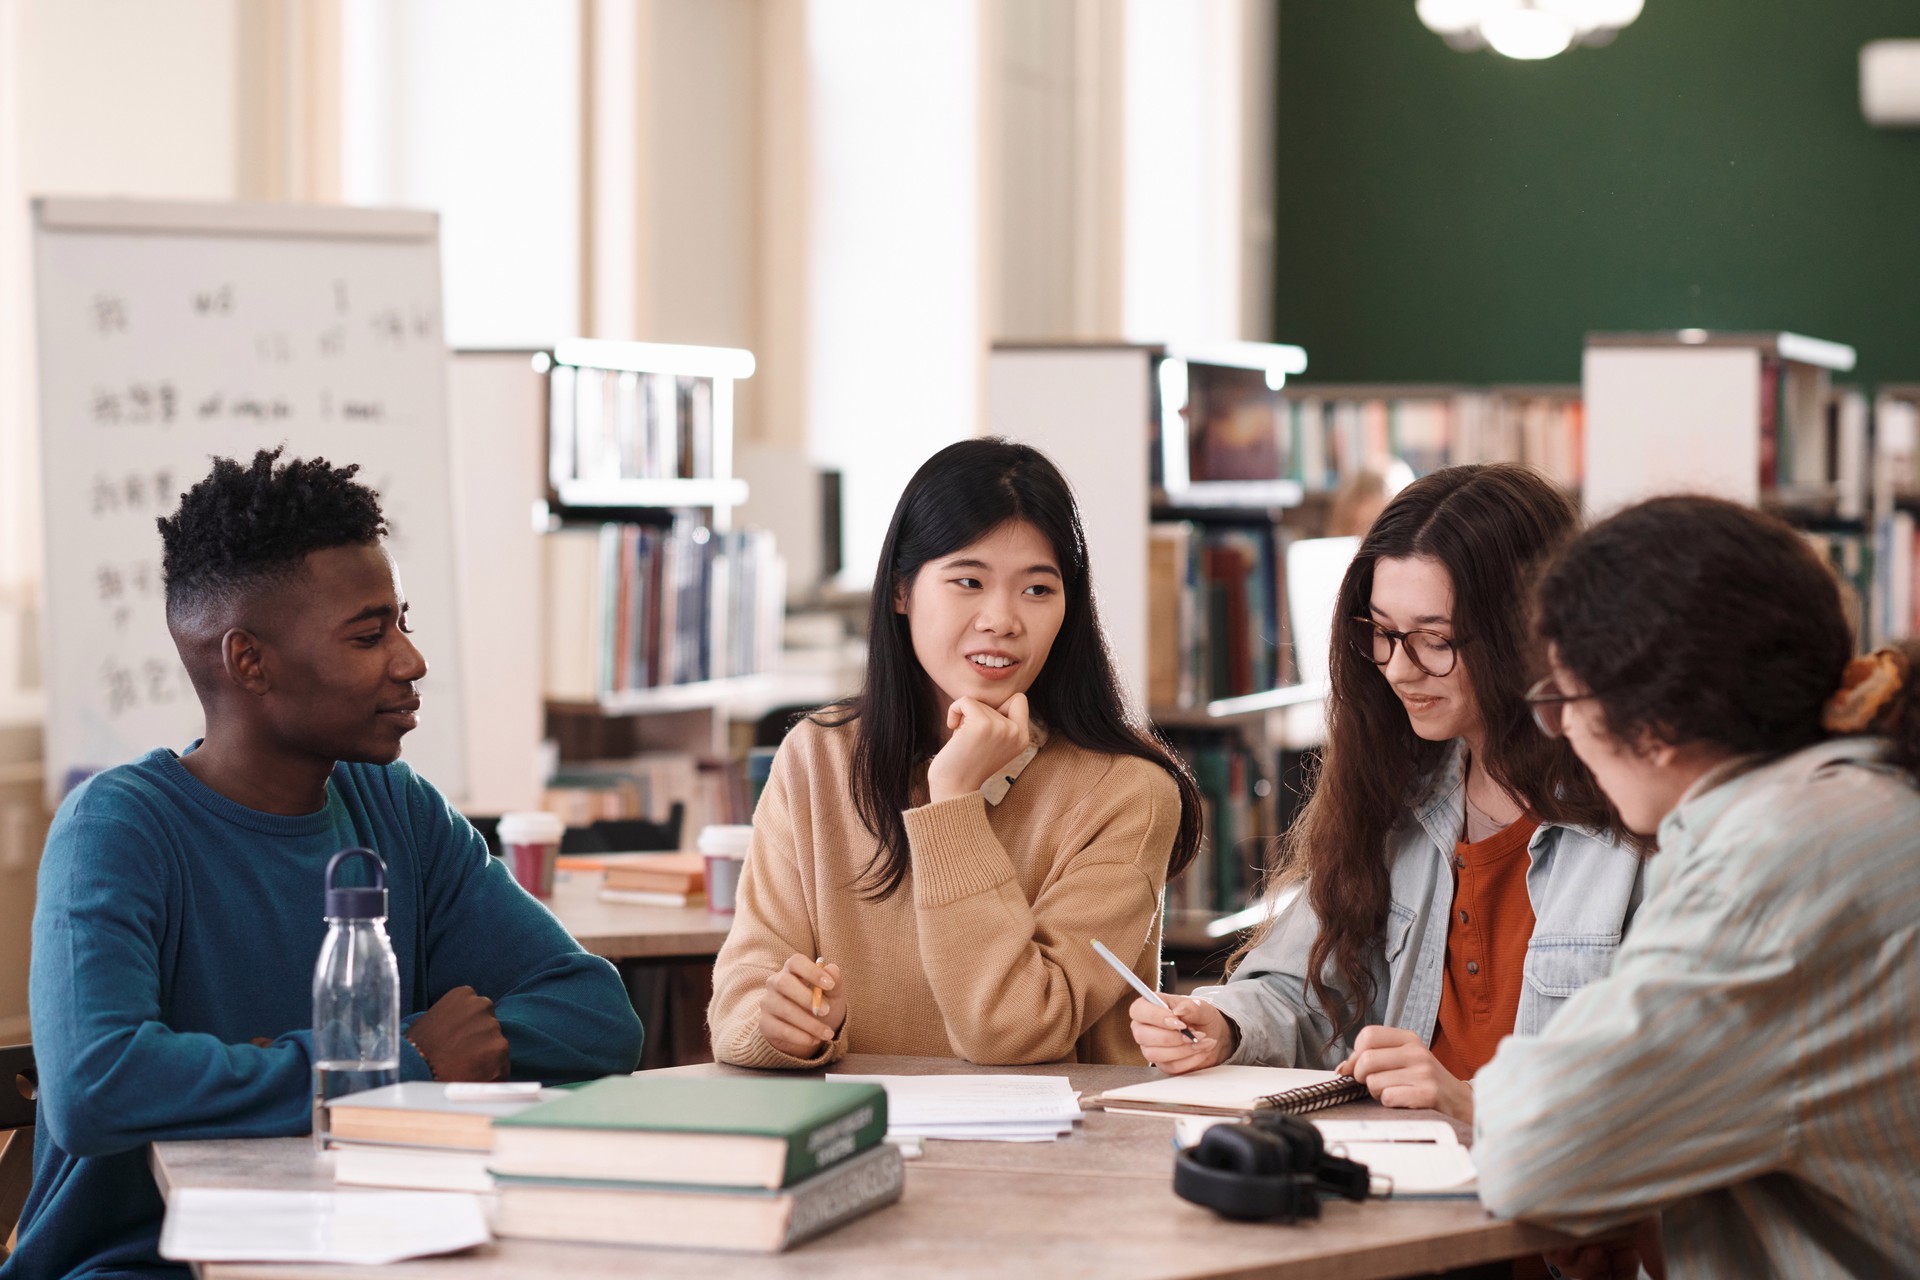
1869, 692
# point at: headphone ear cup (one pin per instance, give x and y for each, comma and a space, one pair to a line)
1244, 1173
1245, 1150
1303, 1141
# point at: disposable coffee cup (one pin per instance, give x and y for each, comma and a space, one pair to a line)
725, 852
531, 844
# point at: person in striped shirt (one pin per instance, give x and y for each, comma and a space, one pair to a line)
1750, 1070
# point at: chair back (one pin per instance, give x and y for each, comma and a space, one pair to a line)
18, 1084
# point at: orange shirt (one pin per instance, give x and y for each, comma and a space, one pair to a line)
1486, 947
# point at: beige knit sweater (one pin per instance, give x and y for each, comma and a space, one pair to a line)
985, 951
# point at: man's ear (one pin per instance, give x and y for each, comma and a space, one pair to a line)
244, 660
1654, 746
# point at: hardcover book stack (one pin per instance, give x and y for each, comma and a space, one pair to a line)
656, 879
695, 1163
414, 1135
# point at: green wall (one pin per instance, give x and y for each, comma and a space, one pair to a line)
1449, 216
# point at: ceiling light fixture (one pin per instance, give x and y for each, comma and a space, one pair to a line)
1526, 29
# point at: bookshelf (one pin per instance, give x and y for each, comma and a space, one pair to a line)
1895, 604
1225, 449
1152, 435
641, 491
1747, 416
664, 618
1753, 417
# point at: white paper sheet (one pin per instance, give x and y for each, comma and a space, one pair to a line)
991, 1108
368, 1228
1438, 1131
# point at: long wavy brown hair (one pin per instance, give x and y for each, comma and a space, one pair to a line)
1492, 528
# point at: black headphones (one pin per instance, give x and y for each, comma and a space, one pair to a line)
1272, 1167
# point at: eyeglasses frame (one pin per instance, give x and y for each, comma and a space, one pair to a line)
1537, 701
1399, 638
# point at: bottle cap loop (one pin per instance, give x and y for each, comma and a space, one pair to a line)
357, 902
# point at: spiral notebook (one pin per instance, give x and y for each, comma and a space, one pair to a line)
1236, 1091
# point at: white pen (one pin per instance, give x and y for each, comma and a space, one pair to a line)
1134, 979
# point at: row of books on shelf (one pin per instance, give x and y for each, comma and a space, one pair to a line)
648, 786
1240, 429
1846, 552
633, 607
1896, 595
614, 424
1896, 442
1339, 436
1813, 440
1237, 800
1217, 625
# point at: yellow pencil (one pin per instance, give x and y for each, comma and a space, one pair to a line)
819, 1000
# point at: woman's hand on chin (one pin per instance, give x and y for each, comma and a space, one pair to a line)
984, 740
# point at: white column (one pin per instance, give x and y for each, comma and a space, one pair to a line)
1198, 168
472, 107
894, 316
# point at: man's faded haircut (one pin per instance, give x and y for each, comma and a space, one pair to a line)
252, 526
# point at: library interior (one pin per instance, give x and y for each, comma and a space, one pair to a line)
932, 621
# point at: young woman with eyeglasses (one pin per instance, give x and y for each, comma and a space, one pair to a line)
1750, 1069
1455, 876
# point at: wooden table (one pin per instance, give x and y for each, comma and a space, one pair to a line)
1098, 1204
629, 931
664, 954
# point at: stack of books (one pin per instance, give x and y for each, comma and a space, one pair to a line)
415, 1135
656, 879
695, 1163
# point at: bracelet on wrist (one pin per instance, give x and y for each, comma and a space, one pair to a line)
423, 1055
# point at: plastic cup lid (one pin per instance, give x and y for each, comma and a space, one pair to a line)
532, 827
729, 839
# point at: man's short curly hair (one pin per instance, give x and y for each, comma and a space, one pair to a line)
248, 526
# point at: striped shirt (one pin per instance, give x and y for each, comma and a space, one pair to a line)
1751, 1068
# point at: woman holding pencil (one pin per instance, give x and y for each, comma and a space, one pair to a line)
933, 859
1455, 876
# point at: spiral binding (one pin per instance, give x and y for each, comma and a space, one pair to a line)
1315, 1097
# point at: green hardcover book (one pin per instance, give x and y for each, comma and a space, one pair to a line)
711, 1131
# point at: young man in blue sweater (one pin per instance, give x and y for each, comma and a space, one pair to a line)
179, 914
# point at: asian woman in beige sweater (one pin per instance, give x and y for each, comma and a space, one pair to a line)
953, 839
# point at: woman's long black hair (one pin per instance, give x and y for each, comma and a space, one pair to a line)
957, 497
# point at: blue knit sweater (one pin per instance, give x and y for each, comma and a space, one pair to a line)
173, 926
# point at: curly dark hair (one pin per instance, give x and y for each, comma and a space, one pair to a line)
1695, 619
248, 526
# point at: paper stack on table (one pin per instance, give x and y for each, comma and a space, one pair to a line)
367, 1228
1002, 1108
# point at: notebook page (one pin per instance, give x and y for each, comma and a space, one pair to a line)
1232, 1087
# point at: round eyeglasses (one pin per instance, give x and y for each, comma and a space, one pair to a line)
1549, 706
1430, 651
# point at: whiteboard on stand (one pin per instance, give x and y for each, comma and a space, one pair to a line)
170, 333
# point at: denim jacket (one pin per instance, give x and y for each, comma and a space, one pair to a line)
1584, 886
